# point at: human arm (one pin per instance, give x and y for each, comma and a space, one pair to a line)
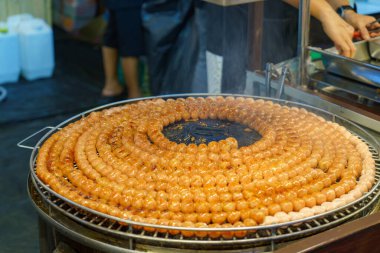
339, 31
360, 22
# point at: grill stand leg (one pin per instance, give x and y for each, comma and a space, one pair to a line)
46, 237
272, 244
131, 242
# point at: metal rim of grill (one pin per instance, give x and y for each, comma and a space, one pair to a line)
262, 234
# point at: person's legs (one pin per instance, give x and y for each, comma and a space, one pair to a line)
110, 58
130, 67
131, 47
112, 86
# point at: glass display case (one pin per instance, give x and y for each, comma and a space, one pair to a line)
269, 48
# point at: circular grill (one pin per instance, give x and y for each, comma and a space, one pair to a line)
259, 235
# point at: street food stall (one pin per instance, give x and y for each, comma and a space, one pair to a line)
291, 165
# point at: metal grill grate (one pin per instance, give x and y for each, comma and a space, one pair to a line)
263, 234
255, 235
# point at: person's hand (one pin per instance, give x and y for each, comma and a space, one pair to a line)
375, 33
340, 32
364, 24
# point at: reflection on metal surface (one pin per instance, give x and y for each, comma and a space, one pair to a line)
374, 48
358, 92
268, 79
280, 90
231, 2
361, 68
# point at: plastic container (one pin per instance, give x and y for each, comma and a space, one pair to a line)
9, 55
15, 21
36, 49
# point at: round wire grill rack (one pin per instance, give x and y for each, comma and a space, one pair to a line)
257, 235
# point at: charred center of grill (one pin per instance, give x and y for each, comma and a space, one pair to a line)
208, 130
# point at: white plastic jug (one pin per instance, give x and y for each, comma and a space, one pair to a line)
36, 49
9, 55
14, 21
